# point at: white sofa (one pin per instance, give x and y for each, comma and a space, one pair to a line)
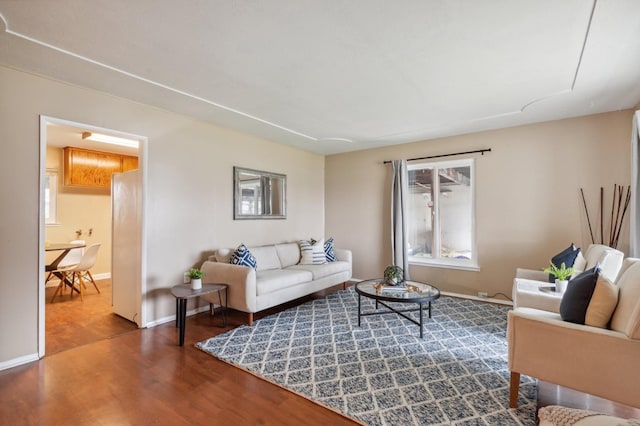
277, 279
526, 285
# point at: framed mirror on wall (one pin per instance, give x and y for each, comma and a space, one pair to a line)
259, 194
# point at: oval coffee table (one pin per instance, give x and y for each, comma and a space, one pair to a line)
414, 292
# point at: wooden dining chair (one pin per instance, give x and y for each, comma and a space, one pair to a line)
78, 274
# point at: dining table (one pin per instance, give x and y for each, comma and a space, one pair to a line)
52, 267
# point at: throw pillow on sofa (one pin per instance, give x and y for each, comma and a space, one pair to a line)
223, 255
567, 256
329, 253
312, 252
243, 257
575, 301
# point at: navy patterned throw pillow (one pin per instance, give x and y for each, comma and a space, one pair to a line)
328, 250
243, 257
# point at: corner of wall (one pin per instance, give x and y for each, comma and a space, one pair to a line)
3, 24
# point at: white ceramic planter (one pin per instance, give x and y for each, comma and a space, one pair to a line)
196, 283
561, 286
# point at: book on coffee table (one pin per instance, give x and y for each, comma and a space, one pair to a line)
394, 289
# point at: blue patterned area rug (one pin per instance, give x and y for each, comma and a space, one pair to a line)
382, 373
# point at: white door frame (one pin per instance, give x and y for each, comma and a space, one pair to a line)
142, 165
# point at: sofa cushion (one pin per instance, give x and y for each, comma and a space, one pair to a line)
321, 271
626, 317
266, 257
602, 304
312, 253
288, 253
575, 301
566, 256
277, 279
243, 257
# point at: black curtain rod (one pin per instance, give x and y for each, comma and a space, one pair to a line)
481, 151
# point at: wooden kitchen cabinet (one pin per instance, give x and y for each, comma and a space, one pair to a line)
84, 167
129, 163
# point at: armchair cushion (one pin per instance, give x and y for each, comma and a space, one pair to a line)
603, 303
609, 259
575, 301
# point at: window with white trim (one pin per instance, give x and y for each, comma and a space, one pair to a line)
441, 214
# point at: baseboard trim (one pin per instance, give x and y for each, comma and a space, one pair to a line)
479, 299
103, 276
171, 318
18, 361
462, 296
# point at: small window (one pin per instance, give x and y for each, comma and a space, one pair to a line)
441, 211
51, 197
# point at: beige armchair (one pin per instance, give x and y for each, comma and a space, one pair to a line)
526, 285
600, 362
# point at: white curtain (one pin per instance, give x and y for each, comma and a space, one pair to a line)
399, 216
635, 185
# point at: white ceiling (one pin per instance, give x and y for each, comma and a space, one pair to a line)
62, 135
341, 75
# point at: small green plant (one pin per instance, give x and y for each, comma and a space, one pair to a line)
562, 273
195, 273
393, 273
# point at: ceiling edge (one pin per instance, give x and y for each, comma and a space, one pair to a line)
153, 83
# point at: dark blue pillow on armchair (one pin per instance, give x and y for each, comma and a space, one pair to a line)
567, 256
575, 301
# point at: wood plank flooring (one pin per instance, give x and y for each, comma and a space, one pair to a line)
70, 323
143, 377
111, 374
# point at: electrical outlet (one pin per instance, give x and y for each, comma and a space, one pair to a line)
483, 294
186, 279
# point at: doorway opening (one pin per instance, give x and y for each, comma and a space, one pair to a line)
76, 204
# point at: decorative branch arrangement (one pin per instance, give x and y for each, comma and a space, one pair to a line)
618, 212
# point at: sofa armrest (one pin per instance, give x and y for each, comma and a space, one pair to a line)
532, 274
241, 282
588, 359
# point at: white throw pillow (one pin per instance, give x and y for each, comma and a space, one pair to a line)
223, 255
312, 253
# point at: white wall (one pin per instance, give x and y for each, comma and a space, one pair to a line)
527, 196
189, 193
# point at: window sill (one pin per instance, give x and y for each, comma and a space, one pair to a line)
446, 265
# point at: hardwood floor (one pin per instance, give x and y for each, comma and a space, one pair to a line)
70, 323
143, 377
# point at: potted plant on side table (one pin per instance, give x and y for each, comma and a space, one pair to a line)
196, 278
562, 275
